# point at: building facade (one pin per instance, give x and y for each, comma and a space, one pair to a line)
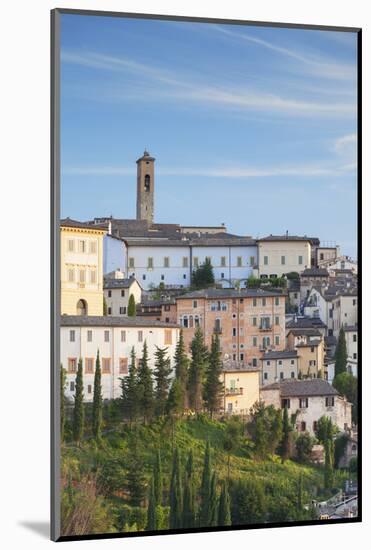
240, 388
117, 292
114, 337
279, 365
81, 268
279, 255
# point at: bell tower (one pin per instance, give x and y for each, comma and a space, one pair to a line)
145, 187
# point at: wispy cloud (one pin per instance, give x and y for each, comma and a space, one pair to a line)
345, 148
316, 66
185, 89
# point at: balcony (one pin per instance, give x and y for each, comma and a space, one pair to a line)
233, 391
265, 327
218, 330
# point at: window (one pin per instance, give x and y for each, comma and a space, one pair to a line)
265, 323
82, 246
264, 301
222, 275
277, 340
266, 342
93, 247
109, 311
147, 183
354, 302
72, 386
330, 401
268, 363
265, 260
140, 336
241, 356
185, 261
106, 335
254, 362
223, 261
166, 261
93, 276
276, 301
312, 349
303, 403
72, 335
254, 341
109, 293
295, 295
131, 263
72, 363
162, 277
292, 361
239, 261
184, 276
276, 320
283, 260
123, 336
144, 277
315, 426
122, 293
194, 303
123, 365
234, 331
71, 275
89, 365
195, 261
82, 275
122, 310
354, 338
106, 365
281, 375
285, 403
89, 388
303, 426
168, 337
354, 356
300, 260
254, 302
292, 374
89, 335
254, 321
71, 245
252, 260
149, 263
280, 362
265, 376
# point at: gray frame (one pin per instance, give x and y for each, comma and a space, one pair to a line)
55, 264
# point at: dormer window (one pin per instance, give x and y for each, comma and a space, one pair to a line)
147, 182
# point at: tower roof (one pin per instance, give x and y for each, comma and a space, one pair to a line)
146, 156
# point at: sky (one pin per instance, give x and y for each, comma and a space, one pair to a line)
254, 127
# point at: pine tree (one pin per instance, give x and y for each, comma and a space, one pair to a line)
286, 435
162, 374
213, 502
329, 469
129, 390
203, 276
145, 386
205, 489
224, 512
135, 480
78, 410
62, 382
189, 505
181, 369
97, 400
131, 306
213, 387
300, 504
151, 510
104, 307
197, 370
176, 494
157, 479
341, 354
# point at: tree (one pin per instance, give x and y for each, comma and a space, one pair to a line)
304, 445
286, 436
78, 409
205, 491
341, 354
176, 494
104, 306
213, 503
157, 479
326, 432
248, 501
203, 276
131, 306
189, 505
174, 401
129, 390
62, 382
347, 385
329, 466
197, 370
151, 510
97, 400
135, 480
224, 512
162, 374
232, 437
300, 504
181, 369
265, 428
145, 386
213, 387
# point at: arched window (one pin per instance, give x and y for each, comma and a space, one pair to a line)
82, 308
184, 322
191, 321
147, 182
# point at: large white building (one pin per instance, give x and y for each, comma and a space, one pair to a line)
114, 337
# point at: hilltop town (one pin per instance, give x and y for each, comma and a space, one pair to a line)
277, 316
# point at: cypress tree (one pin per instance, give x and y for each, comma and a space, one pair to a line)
161, 373
135, 480
213, 500
224, 512
197, 370
213, 387
62, 382
97, 400
286, 432
145, 386
157, 479
341, 354
300, 494
189, 506
329, 469
78, 409
176, 507
181, 369
129, 390
131, 306
151, 510
205, 489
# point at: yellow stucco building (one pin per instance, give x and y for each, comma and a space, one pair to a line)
81, 268
241, 388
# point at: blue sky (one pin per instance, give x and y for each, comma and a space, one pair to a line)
251, 126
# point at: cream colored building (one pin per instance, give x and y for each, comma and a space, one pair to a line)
278, 255
81, 268
241, 388
309, 345
279, 365
117, 291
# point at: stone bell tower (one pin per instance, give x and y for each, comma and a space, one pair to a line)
145, 187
